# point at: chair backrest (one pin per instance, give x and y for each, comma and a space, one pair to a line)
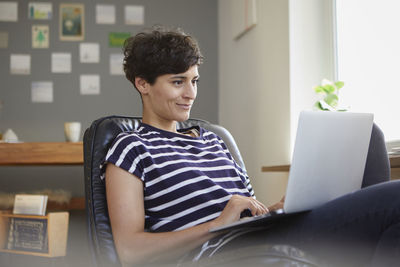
97, 140
377, 166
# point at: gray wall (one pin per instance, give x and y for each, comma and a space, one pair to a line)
43, 122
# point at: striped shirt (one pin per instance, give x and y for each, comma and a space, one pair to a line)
186, 180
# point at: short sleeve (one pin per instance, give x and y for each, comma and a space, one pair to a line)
125, 154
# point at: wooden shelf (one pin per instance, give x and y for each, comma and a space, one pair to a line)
61, 153
76, 203
277, 168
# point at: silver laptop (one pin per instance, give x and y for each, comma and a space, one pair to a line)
328, 161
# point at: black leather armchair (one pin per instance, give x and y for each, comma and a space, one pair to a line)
97, 140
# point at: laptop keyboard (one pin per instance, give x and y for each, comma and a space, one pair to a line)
271, 213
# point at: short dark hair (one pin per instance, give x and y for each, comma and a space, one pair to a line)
159, 51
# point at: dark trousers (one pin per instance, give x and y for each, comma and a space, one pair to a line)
358, 229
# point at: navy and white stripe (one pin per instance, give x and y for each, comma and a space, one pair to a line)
187, 180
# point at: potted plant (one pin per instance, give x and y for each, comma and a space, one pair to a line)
329, 92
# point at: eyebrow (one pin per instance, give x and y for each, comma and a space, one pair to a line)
184, 77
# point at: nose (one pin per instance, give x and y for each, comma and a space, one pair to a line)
190, 90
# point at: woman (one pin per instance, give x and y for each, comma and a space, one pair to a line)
166, 188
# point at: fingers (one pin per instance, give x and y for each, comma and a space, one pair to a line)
236, 205
278, 205
255, 206
259, 208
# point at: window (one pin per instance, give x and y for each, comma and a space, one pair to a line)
368, 60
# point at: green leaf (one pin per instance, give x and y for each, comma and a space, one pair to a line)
328, 88
331, 100
319, 106
318, 89
339, 84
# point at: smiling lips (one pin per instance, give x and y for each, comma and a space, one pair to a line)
184, 106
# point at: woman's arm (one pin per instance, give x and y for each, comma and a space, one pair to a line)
134, 245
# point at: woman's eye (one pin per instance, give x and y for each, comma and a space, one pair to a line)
195, 81
177, 82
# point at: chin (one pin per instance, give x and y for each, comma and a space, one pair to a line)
182, 118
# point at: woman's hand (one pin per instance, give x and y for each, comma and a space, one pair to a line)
235, 206
278, 205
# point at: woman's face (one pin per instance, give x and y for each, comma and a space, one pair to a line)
171, 97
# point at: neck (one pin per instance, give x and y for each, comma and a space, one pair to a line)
165, 125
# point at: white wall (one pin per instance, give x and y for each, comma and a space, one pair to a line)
254, 101
265, 79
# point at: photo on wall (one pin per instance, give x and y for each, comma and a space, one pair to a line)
117, 39
72, 22
40, 36
39, 10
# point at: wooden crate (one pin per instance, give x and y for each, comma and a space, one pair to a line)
57, 233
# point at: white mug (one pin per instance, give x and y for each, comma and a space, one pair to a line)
72, 131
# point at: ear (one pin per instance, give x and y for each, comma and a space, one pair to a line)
142, 85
